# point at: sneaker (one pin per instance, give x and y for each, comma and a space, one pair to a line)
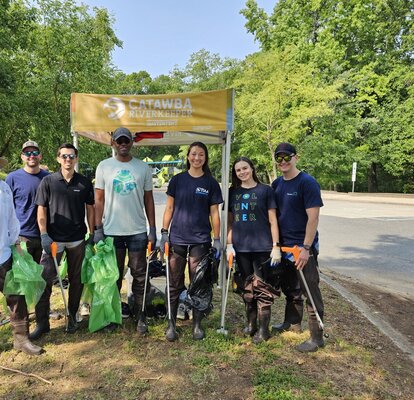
181, 311
85, 310
126, 311
110, 328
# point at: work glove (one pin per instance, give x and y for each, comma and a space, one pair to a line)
91, 239
164, 239
275, 256
46, 241
152, 235
98, 235
230, 251
217, 247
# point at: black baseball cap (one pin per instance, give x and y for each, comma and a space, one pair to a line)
120, 132
285, 148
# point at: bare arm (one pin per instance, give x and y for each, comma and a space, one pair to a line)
215, 220
42, 218
311, 228
274, 229
168, 213
149, 207
90, 217
99, 206
230, 228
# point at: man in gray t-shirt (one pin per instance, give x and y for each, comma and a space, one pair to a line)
123, 189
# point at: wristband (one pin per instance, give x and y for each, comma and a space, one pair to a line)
164, 230
306, 247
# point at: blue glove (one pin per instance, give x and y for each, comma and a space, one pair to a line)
98, 235
152, 235
164, 239
46, 241
217, 247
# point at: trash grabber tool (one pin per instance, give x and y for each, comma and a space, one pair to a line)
146, 276
54, 250
223, 313
170, 333
295, 250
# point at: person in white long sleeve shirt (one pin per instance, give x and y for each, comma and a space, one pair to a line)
9, 234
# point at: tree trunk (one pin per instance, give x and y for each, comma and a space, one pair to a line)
373, 179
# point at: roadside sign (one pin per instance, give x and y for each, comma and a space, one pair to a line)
354, 168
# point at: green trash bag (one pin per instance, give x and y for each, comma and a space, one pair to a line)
63, 268
86, 273
103, 274
25, 278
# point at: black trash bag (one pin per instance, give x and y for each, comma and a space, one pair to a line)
156, 267
272, 274
238, 281
155, 303
200, 291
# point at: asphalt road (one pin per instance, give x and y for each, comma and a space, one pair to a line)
369, 239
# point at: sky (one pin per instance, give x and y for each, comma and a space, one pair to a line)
160, 34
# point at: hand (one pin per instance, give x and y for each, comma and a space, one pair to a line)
91, 239
302, 259
230, 251
164, 239
46, 241
217, 247
152, 236
275, 256
98, 235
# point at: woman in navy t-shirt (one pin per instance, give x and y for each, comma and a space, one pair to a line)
193, 199
253, 237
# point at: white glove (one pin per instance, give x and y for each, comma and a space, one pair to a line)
275, 256
230, 251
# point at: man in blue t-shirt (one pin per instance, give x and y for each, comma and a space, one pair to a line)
298, 201
24, 183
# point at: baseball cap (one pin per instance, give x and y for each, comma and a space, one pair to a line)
30, 143
285, 148
119, 132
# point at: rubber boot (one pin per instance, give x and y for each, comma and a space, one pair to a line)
293, 318
21, 339
72, 325
251, 314
316, 340
171, 333
142, 327
42, 321
198, 332
263, 333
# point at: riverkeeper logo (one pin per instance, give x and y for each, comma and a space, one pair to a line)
114, 107
201, 191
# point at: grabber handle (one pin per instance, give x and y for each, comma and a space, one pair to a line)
166, 249
149, 248
54, 249
231, 260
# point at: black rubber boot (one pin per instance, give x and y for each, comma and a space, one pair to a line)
42, 321
72, 325
251, 314
171, 333
198, 332
316, 340
142, 327
293, 318
21, 339
263, 333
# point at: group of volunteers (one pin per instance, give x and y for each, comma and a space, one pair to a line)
39, 208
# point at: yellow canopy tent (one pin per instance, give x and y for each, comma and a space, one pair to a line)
165, 119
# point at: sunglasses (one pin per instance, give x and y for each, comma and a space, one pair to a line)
279, 159
122, 140
33, 153
66, 156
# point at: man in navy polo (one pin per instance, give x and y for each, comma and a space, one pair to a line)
61, 199
24, 183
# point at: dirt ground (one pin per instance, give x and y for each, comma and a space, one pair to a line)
357, 363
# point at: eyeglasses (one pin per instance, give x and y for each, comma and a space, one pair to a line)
66, 156
122, 140
279, 159
33, 153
